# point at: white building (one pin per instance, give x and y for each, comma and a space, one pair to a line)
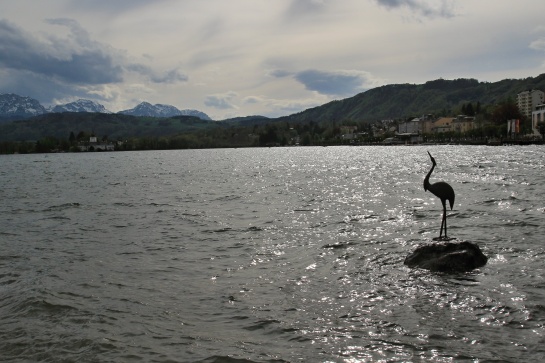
527, 101
538, 116
95, 145
410, 127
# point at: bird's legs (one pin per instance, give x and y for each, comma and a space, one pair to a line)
441, 230
445, 219
443, 222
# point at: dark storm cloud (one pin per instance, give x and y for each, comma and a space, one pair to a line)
37, 86
341, 83
74, 59
441, 8
87, 63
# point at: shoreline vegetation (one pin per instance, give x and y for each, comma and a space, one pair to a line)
110, 133
51, 146
100, 132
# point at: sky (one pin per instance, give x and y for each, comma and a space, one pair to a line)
231, 58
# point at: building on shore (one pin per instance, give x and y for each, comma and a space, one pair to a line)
426, 125
463, 124
527, 101
410, 127
538, 118
418, 125
443, 124
95, 145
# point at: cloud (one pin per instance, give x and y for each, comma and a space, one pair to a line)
172, 76
253, 100
441, 8
280, 73
299, 8
74, 59
118, 6
539, 29
77, 33
281, 107
335, 83
221, 101
538, 44
38, 86
275, 107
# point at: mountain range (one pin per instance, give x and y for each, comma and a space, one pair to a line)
15, 107
397, 101
79, 106
159, 110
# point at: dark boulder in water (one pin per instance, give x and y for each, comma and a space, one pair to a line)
447, 257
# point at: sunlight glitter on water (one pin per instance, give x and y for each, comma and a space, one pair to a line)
292, 254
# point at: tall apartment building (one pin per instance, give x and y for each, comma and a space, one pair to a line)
527, 101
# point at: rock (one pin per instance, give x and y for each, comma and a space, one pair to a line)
447, 257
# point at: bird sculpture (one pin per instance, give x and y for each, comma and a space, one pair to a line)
444, 192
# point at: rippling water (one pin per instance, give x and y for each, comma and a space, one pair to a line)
269, 255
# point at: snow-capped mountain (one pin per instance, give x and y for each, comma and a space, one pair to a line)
147, 109
80, 106
13, 107
196, 113
160, 110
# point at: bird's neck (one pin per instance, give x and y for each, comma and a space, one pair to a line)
427, 179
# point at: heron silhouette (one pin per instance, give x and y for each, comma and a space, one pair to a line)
442, 191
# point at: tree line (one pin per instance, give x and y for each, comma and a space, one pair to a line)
490, 121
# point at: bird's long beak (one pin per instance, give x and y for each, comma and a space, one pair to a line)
430, 155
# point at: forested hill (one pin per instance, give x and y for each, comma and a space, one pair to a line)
115, 126
440, 97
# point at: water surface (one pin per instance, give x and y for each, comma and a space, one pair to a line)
269, 255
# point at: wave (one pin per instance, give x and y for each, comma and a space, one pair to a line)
59, 207
228, 359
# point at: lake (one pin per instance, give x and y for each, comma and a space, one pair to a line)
269, 255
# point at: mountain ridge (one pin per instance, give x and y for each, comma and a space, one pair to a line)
15, 107
401, 101
146, 109
81, 105
396, 101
